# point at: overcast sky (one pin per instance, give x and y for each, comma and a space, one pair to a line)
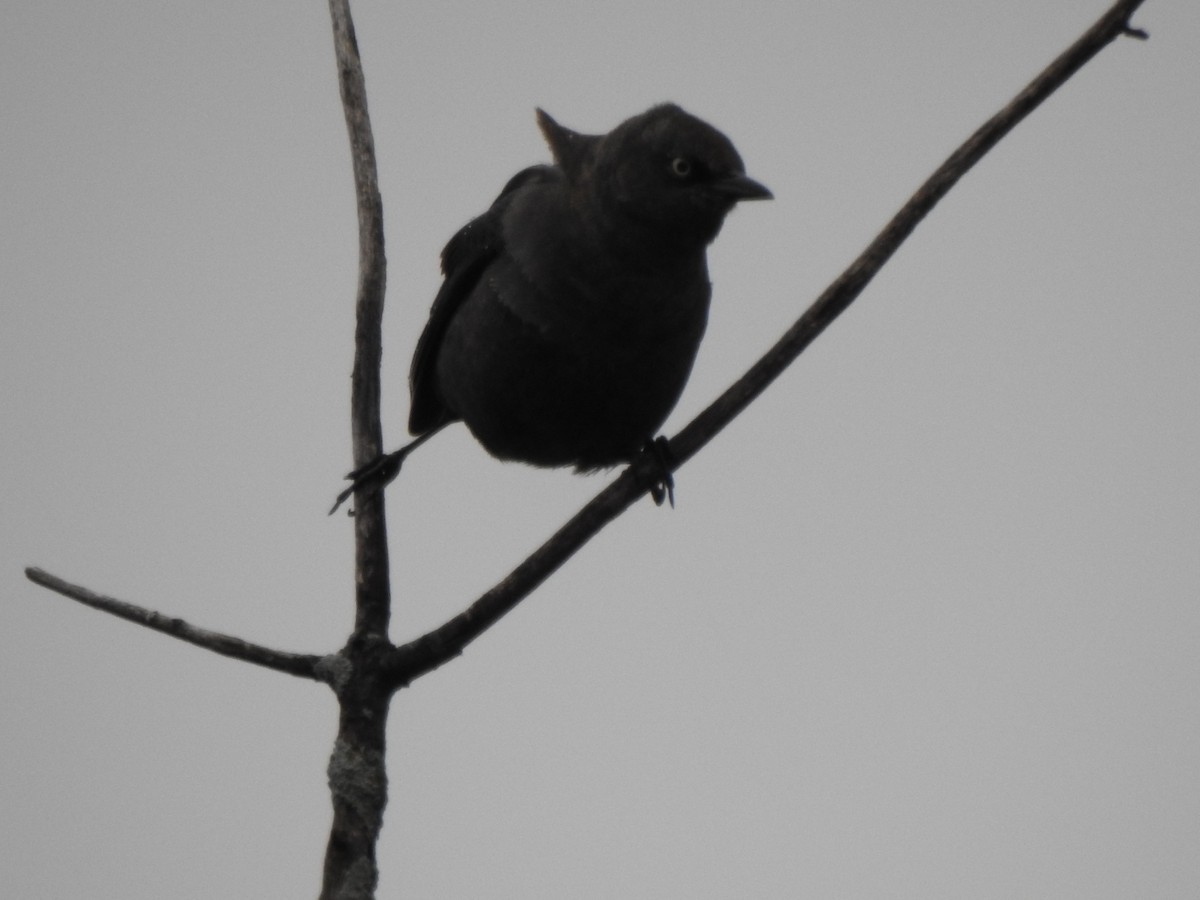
925, 622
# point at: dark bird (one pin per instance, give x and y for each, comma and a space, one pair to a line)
572, 310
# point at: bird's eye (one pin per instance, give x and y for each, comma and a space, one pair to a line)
681, 167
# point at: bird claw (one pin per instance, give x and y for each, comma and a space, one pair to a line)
663, 487
374, 476
663, 490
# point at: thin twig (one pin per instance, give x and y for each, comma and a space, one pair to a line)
444, 643
304, 665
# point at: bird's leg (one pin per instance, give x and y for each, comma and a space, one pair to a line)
658, 451
379, 472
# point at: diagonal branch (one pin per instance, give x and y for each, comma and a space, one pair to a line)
442, 644
305, 665
839, 295
439, 646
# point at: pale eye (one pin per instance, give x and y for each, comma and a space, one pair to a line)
681, 167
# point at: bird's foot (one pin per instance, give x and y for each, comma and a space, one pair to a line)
374, 476
663, 486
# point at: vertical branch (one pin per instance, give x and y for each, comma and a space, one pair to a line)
370, 526
357, 774
358, 783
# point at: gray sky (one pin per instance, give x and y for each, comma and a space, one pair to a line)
926, 621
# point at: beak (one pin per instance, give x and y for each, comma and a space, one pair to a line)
737, 187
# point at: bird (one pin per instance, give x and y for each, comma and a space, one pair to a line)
572, 310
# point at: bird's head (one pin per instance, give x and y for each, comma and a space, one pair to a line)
663, 173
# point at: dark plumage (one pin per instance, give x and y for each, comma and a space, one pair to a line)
572, 310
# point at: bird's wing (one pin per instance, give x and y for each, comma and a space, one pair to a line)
464, 260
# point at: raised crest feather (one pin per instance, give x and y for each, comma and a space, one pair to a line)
569, 148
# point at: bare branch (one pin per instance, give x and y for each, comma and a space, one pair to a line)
303, 665
839, 295
447, 641
438, 646
357, 775
370, 525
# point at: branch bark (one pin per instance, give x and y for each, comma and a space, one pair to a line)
304, 665
357, 773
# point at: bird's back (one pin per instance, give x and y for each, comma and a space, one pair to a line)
561, 353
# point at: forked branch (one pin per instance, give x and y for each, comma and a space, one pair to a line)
369, 668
